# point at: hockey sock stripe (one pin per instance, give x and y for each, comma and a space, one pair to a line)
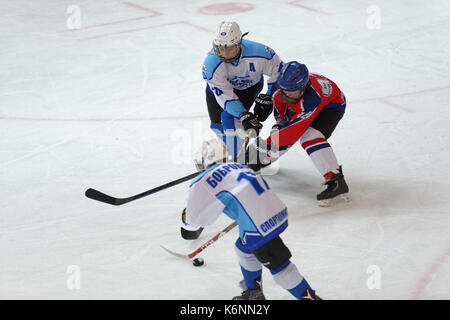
309, 143
317, 147
250, 277
329, 175
298, 290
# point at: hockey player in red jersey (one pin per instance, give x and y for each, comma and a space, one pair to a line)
307, 108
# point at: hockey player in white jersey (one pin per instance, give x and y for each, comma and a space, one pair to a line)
235, 189
234, 73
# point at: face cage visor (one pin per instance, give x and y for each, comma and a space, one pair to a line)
294, 100
229, 60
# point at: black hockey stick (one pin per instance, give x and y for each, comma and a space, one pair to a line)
100, 196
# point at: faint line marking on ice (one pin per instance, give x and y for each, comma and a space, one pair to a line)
226, 8
295, 3
150, 27
428, 276
383, 99
100, 119
197, 116
153, 15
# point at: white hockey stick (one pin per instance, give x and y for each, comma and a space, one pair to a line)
191, 255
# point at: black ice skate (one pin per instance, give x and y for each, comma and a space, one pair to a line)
310, 295
337, 190
251, 294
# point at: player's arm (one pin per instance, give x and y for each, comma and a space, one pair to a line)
216, 79
286, 133
272, 68
202, 208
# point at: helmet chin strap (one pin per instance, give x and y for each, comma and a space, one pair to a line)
287, 99
229, 60
294, 100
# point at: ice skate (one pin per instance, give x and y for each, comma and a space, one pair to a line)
337, 191
251, 294
310, 295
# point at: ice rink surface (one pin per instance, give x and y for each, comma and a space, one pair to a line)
109, 95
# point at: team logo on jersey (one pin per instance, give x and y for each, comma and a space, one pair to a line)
223, 33
241, 82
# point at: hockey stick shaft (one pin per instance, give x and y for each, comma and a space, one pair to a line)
203, 246
100, 196
212, 240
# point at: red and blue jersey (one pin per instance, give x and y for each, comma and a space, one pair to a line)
294, 118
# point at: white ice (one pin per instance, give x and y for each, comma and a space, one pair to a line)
118, 105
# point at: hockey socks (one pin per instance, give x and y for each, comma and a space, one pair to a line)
251, 268
320, 152
288, 277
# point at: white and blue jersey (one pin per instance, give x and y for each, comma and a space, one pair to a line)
255, 61
237, 191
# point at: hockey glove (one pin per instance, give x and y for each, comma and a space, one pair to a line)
187, 232
256, 155
263, 107
183, 217
249, 121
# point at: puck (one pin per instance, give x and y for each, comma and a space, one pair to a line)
198, 262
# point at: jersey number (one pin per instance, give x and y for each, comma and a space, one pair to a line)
251, 177
217, 91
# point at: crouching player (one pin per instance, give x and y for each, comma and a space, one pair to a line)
235, 189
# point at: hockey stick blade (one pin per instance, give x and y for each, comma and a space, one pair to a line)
203, 246
176, 254
100, 196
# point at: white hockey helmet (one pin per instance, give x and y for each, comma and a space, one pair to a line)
228, 34
213, 150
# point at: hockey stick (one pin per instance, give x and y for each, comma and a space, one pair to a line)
203, 246
102, 197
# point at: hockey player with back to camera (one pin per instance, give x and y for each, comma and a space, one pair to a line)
235, 189
234, 74
307, 108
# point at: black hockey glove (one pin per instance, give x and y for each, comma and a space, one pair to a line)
263, 107
256, 155
189, 234
249, 121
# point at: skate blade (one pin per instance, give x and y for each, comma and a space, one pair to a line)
345, 197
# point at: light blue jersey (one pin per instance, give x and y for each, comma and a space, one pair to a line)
255, 61
237, 191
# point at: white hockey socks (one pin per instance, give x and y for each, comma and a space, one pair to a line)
320, 152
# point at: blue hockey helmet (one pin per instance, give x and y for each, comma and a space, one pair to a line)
293, 76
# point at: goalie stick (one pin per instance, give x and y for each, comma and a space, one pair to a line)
191, 255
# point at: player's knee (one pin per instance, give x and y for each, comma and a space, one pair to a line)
273, 254
246, 259
310, 134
